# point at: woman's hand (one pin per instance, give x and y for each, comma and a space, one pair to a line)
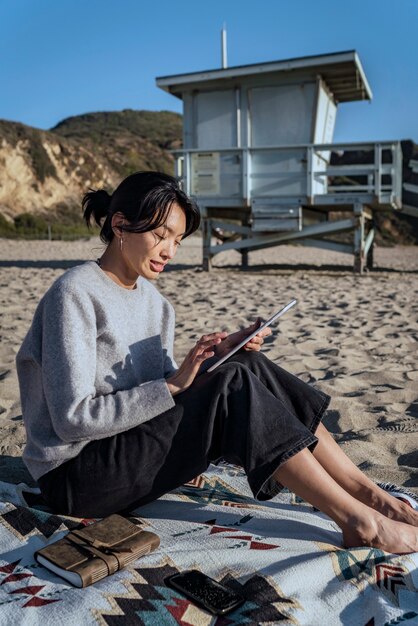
254, 344
187, 371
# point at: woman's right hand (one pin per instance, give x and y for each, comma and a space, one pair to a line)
188, 370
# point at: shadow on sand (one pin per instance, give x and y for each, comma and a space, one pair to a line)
288, 267
55, 265
178, 267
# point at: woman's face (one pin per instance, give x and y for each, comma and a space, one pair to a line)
146, 254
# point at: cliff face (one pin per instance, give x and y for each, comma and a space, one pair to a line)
44, 171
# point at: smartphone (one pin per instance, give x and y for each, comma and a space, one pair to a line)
272, 319
205, 591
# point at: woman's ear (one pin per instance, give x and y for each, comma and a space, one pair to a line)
118, 221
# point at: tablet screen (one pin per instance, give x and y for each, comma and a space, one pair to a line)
272, 319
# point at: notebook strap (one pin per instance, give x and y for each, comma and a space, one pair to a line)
112, 562
95, 543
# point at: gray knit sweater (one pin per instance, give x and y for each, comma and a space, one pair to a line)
93, 364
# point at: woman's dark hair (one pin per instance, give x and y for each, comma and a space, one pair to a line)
145, 199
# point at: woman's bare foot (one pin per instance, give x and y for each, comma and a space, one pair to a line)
391, 507
358, 485
401, 512
377, 531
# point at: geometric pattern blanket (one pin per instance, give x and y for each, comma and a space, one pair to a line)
285, 558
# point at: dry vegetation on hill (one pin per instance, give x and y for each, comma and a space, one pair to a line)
43, 174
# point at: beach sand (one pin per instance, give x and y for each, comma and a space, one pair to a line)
354, 337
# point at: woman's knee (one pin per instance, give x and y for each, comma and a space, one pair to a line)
242, 367
250, 358
232, 370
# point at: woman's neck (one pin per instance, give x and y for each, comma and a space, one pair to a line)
112, 264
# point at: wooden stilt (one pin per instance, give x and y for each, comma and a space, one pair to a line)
207, 235
359, 257
244, 251
369, 248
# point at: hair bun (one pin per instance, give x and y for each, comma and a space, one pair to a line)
96, 204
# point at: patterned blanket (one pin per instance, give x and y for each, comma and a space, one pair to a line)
285, 557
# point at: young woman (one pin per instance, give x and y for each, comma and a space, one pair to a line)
112, 423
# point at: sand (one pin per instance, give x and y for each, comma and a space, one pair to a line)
354, 337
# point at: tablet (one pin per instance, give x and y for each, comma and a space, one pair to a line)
253, 334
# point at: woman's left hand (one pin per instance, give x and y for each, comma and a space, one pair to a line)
234, 338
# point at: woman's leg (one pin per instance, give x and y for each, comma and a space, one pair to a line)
361, 525
294, 393
136, 466
304, 401
356, 483
227, 414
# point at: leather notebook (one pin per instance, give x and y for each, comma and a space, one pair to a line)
87, 555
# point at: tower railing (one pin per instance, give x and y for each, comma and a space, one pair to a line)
302, 174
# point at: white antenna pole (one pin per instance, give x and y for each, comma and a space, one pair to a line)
223, 46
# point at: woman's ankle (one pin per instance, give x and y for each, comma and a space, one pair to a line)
381, 533
361, 530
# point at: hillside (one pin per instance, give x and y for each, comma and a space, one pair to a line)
46, 172
127, 140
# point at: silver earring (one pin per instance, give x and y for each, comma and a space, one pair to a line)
121, 236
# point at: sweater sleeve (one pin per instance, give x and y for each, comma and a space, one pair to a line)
68, 375
170, 366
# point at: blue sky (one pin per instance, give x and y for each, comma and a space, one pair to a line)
60, 58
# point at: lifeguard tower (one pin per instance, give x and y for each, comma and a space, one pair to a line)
258, 156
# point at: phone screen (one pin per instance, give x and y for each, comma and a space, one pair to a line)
205, 591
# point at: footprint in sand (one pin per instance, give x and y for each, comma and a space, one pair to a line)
408, 425
335, 323
327, 352
355, 394
410, 459
382, 388
412, 375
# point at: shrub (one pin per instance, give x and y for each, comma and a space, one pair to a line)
29, 223
65, 224
41, 162
7, 229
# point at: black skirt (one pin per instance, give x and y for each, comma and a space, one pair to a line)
248, 411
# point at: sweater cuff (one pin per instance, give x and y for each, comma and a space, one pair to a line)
168, 396
155, 398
